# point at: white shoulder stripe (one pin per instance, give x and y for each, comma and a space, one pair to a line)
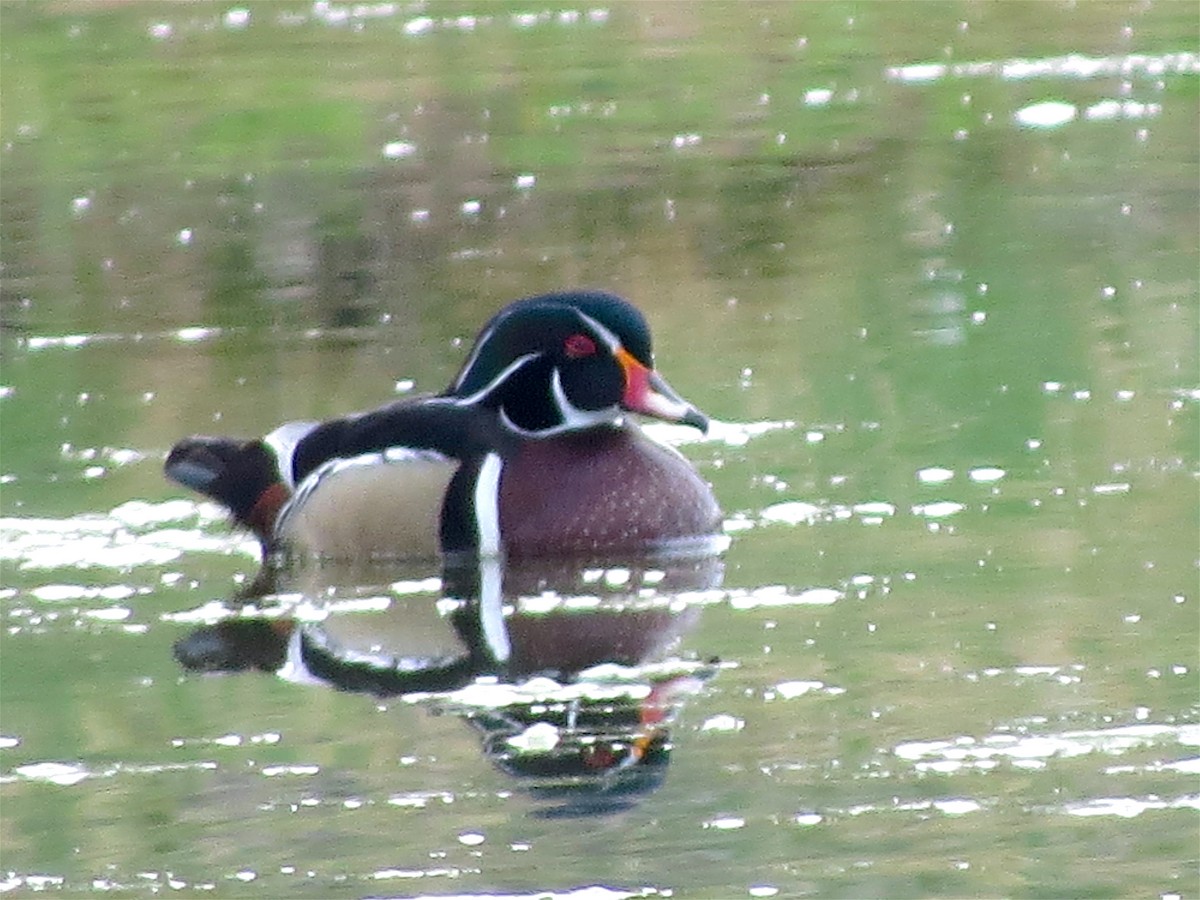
294, 669
282, 442
491, 609
487, 505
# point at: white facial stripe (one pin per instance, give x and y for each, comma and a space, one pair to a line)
487, 505
480, 343
491, 385
613, 342
282, 443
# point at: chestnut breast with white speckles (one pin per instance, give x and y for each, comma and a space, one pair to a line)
603, 489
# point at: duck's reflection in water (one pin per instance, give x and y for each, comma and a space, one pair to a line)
567, 669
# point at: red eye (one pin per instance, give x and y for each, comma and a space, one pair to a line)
578, 346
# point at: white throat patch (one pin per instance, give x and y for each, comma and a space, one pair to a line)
572, 416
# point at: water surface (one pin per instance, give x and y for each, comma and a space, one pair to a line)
932, 270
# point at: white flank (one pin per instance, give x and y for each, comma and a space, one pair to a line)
487, 505
312, 481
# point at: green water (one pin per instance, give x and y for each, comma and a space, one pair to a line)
931, 267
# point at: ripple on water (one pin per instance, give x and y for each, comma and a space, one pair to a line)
66, 774
1035, 751
1075, 65
133, 534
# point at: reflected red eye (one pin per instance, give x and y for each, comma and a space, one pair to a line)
578, 346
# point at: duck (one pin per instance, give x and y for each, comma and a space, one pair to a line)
530, 452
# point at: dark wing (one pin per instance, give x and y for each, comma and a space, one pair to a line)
457, 431
248, 479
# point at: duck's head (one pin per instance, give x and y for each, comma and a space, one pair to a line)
568, 361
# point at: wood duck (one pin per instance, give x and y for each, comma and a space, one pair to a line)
527, 453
